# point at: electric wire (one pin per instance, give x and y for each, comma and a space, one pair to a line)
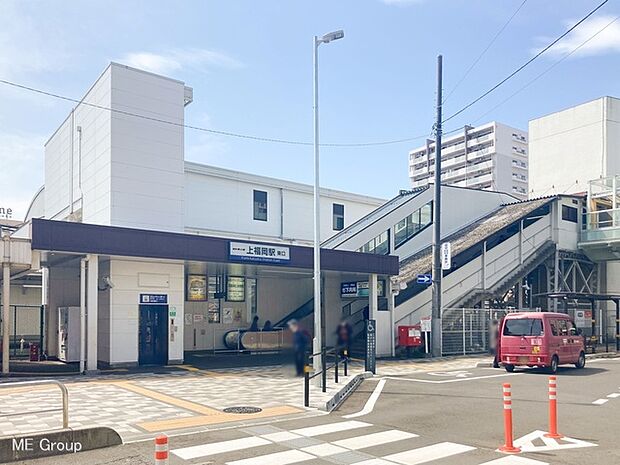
528, 62
473, 65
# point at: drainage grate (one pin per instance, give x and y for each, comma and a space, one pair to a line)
242, 410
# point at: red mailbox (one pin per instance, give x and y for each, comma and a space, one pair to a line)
410, 336
34, 352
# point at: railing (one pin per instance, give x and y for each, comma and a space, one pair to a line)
26, 328
65, 399
344, 359
602, 225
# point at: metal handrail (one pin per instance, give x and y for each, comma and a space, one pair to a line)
63, 390
324, 369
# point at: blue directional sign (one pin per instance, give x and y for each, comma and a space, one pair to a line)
424, 279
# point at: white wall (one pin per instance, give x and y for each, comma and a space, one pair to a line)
568, 148
61, 162
131, 169
123, 311
459, 208
220, 202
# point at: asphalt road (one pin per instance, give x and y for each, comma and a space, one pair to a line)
450, 417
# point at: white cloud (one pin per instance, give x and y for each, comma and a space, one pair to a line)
607, 41
21, 156
174, 60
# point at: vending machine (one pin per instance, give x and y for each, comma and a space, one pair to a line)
69, 334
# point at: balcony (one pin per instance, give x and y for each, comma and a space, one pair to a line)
600, 236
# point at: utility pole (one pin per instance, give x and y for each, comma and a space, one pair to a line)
437, 272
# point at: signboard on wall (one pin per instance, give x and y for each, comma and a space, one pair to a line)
355, 289
251, 252
196, 288
235, 289
161, 299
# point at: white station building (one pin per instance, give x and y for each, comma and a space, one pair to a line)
165, 255
145, 256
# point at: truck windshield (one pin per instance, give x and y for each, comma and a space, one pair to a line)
523, 327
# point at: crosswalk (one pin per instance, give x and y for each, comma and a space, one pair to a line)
340, 442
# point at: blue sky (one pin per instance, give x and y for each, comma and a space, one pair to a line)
250, 64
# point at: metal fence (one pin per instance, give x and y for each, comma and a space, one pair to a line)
26, 328
473, 330
469, 330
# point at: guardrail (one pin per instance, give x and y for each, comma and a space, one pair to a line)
65, 399
344, 359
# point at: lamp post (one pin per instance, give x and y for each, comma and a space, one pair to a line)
317, 342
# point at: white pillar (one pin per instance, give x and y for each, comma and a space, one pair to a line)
6, 304
82, 314
91, 303
373, 297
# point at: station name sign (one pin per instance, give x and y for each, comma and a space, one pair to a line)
265, 253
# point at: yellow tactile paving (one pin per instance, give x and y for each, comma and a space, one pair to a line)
219, 417
198, 408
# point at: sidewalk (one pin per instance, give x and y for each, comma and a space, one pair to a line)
139, 405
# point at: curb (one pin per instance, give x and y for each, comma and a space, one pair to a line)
344, 392
60, 442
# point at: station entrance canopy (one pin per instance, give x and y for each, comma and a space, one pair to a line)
80, 238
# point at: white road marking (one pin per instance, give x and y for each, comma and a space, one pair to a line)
514, 460
457, 380
279, 458
370, 403
600, 401
374, 462
323, 450
330, 428
428, 453
280, 436
374, 439
456, 374
188, 453
613, 395
526, 443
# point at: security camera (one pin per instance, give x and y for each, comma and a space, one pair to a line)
106, 283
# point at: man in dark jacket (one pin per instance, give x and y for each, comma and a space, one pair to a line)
299, 346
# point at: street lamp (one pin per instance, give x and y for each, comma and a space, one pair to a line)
317, 344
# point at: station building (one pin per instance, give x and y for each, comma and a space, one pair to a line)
165, 255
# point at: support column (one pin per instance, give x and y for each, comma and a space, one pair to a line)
91, 302
82, 314
373, 297
390, 298
617, 302
6, 307
45, 299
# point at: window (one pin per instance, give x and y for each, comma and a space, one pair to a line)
408, 227
569, 213
379, 245
252, 297
523, 327
260, 205
337, 217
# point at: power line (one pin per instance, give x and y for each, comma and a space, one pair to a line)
208, 130
548, 69
472, 66
520, 68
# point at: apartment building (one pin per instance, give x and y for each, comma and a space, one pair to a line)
492, 156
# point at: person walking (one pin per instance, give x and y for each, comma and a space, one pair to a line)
299, 346
344, 334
